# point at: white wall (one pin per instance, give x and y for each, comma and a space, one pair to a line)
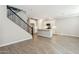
42, 11
9, 31
68, 26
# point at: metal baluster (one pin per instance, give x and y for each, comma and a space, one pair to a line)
19, 21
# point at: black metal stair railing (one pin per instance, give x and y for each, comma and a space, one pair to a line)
13, 16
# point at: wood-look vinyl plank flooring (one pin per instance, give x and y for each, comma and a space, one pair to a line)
40, 45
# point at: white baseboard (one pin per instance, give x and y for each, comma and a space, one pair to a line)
67, 35
9, 43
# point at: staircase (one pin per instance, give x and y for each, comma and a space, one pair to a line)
12, 14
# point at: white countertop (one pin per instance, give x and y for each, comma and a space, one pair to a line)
44, 29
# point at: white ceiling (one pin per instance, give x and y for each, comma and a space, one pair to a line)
50, 10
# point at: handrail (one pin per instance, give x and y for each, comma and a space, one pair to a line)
14, 8
21, 20
20, 17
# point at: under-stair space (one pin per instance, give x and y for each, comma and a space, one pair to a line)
13, 28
